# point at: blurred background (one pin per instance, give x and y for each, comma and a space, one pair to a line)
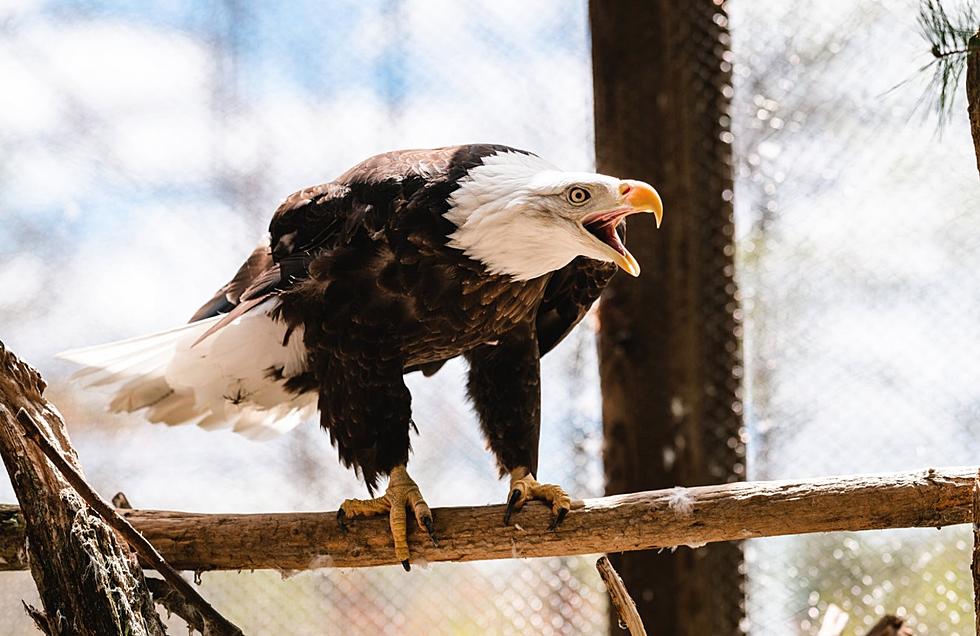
143, 147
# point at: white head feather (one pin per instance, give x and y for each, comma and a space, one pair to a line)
514, 215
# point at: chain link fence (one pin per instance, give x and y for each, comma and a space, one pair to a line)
858, 256
144, 148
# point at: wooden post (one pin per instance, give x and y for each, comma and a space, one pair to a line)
89, 581
669, 341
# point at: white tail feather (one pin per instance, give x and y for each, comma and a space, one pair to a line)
224, 381
141, 392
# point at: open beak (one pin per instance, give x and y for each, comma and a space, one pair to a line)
635, 197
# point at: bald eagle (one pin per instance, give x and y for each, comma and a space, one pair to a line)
407, 260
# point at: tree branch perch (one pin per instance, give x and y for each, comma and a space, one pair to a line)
639, 521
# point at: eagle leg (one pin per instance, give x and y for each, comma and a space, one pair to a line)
402, 493
524, 487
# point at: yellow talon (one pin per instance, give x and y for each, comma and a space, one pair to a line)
401, 493
524, 487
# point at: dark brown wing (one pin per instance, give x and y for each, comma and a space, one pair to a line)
328, 216
365, 197
567, 298
229, 296
570, 293
265, 272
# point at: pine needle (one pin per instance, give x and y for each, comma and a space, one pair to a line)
949, 37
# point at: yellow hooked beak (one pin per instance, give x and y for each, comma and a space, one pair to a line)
642, 198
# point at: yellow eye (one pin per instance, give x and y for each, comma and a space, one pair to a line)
577, 195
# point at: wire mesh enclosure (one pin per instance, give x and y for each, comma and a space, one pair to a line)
857, 261
134, 134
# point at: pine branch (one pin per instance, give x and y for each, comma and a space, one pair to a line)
949, 36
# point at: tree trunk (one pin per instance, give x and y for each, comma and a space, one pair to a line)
89, 580
973, 92
669, 341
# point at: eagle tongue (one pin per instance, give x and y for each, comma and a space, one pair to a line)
606, 232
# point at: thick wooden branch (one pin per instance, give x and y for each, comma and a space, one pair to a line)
640, 521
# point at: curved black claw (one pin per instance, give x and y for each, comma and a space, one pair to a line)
341, 519
514, 496
407, 565
558, 519
427, 522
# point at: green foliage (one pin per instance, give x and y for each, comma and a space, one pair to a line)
951, 37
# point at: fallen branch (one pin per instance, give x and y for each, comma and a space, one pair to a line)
89, 581
621, 599
639, 521
214, 623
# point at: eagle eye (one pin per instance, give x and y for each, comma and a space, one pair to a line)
577, 195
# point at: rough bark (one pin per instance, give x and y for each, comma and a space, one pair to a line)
973, 92
214, 624
89, 581
639, 521
13, 550
669, 347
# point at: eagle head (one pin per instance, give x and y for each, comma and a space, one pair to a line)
522, 217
